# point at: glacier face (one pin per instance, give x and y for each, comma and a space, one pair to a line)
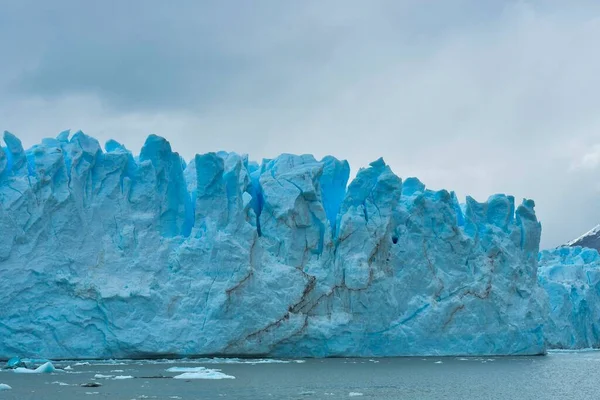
104, 254
571, 277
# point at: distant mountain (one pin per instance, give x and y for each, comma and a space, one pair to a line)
590, 239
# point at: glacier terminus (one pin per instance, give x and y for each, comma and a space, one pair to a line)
109, 255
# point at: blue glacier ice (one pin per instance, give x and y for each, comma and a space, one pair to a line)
571, 277
104, 255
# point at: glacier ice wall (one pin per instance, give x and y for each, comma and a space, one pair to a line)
571, 277
104, 254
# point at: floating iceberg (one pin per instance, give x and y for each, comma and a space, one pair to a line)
14, 362
204, 373
101, 376
107, 255
199, 373
46, 368
571, 277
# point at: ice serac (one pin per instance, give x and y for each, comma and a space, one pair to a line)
109, 255
571, 277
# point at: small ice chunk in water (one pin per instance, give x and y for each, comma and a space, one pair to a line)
354, 394
203, 373
119, 377
4, 386
100, 376
438, 362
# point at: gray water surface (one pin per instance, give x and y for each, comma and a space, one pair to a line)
556, 376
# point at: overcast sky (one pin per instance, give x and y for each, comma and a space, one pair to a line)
475, 96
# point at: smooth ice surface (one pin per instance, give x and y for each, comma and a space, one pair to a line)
108, 255
4, 386
571, 277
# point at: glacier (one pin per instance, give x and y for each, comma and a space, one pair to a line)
571, 277
109, 255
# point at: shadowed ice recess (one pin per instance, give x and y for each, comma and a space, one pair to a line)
107, 255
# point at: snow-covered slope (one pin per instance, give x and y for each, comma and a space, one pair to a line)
107, 255
589, 239
571, 277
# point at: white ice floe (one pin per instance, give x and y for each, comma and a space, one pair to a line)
199, 373
354, 394
4, 386
100, 376
119, 377
60, 383
46, 368
438, 362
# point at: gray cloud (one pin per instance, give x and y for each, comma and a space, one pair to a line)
479, 97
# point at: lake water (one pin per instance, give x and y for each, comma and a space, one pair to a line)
559, 375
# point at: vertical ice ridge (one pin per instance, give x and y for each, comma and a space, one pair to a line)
174, 199
334, 181
17, 158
